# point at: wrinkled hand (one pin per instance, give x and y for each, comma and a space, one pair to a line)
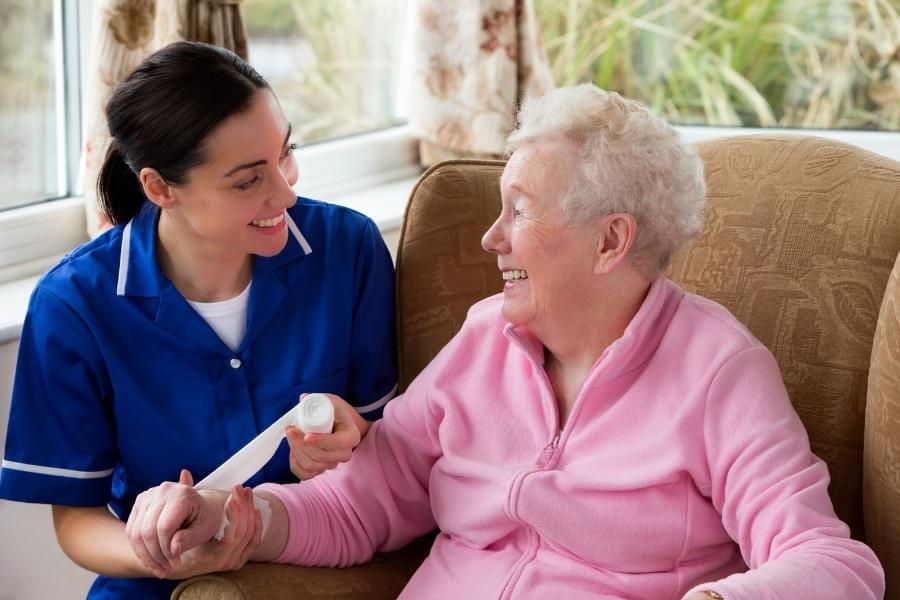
172, 526
315, 453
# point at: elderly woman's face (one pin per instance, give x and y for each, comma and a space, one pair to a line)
544, 261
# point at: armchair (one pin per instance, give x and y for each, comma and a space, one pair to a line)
800, 239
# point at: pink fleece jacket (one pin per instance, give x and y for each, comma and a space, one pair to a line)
682, 462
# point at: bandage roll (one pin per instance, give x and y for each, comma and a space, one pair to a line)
316, 414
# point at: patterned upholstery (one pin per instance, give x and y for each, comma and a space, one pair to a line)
800, 237
881, 457
442, 269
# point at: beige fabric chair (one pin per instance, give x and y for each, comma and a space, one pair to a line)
800, 237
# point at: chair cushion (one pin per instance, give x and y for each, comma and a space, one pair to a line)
799, 240
881, 474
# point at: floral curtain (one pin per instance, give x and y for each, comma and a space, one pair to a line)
474, 61
124, 33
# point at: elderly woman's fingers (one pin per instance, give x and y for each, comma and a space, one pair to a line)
174, 517
149, 526
243, 524
132, 530
236, 510
251, 532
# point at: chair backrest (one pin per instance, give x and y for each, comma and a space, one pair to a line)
881, 456
799, 240
442, 269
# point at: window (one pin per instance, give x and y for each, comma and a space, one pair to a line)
818, 64
334, 64
31, 167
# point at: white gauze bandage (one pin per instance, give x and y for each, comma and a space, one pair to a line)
314, 414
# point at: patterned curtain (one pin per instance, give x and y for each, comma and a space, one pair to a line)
474, 61
124, 33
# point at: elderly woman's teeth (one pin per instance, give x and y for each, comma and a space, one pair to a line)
514, 275
268, 222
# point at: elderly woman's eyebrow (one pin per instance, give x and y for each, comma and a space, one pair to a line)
256, 163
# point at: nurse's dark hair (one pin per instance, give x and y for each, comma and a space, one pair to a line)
160, 115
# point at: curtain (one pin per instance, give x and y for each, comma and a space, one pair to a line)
124, 33
473, 62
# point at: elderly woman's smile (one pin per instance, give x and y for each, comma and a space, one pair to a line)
512, 276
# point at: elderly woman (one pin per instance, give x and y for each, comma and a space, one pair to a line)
593, 431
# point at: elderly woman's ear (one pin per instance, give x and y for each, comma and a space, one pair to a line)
615, 237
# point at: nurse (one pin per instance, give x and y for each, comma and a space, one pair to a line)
176, 337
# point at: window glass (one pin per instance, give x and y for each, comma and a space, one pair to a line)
823, 64
29, 135
334, 64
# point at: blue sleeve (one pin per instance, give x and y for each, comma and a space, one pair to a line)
373, 352
60, 443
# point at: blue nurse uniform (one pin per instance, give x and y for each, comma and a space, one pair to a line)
120, 384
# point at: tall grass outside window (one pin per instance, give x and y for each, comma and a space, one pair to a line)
818, 64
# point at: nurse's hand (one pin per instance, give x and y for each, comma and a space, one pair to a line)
315, 453
171, 527
242, 536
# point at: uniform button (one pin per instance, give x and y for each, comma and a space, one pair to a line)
235, 363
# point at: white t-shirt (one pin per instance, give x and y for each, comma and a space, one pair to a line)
227, 318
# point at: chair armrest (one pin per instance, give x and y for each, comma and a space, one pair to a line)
382, 578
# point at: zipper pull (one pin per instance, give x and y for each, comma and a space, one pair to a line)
547, 452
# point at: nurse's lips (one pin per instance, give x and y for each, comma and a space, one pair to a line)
271, 222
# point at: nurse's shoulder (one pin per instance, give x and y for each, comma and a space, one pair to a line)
86, 274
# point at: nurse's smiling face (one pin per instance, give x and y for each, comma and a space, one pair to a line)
234, 203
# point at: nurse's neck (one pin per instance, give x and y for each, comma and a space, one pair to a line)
199, 271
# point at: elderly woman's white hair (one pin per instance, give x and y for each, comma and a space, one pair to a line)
629, 161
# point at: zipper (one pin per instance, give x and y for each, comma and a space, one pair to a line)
548, 453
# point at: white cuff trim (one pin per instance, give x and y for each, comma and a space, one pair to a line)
378, 403
41, 470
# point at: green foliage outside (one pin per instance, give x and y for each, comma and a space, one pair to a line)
270, 18
25, 63
766, 63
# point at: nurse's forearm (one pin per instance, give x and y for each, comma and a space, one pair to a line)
94, 539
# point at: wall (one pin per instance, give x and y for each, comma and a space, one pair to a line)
32, 566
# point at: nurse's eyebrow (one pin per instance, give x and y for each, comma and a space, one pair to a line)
256, 163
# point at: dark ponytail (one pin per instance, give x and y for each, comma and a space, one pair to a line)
118, 189
161, 114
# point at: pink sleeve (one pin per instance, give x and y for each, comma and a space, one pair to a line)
375, 502
772, 493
